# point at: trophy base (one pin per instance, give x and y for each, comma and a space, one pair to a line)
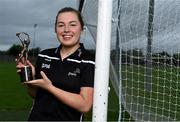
26, 74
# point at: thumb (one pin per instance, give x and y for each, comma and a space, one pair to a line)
44, 75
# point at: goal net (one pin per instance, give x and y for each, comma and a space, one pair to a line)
145, 58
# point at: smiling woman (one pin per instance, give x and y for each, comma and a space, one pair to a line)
64, 76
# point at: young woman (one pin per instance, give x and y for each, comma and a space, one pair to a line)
64, 76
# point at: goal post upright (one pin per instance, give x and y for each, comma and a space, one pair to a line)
103, 44
148, 76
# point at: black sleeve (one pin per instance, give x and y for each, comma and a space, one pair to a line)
87, 79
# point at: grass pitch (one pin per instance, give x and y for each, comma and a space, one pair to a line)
14, 100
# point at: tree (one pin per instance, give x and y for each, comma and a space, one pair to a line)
34, 51
14, 50
176, 59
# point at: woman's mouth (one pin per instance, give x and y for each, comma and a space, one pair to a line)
67, 37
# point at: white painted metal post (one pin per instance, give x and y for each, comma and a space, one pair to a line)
100, 103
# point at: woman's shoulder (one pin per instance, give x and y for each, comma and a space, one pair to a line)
89, 55
48, 51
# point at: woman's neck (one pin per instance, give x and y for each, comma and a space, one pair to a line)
67, 51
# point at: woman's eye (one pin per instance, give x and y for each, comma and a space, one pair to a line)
73, 24
60, 25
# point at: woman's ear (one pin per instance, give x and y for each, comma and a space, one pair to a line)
83, 30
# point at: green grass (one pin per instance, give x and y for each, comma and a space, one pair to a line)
164, 96
14, 101
14, 115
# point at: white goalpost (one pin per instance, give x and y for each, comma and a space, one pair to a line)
101, 80
144, 59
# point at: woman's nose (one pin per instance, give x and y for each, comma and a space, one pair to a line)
66, 29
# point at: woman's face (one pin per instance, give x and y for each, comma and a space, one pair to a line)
68, 29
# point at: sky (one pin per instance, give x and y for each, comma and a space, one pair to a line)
133, 22
22, 15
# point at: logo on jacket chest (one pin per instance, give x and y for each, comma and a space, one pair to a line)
75, 72
47, 66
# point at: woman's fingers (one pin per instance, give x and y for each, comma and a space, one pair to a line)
44, 83
30, 64
21, 64
18, 71
44, 75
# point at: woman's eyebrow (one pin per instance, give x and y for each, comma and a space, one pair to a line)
72, 21
61, 22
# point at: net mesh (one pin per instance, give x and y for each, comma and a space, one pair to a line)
145, 58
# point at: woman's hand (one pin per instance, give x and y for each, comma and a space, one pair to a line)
21, 65
81, 102
44, 83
